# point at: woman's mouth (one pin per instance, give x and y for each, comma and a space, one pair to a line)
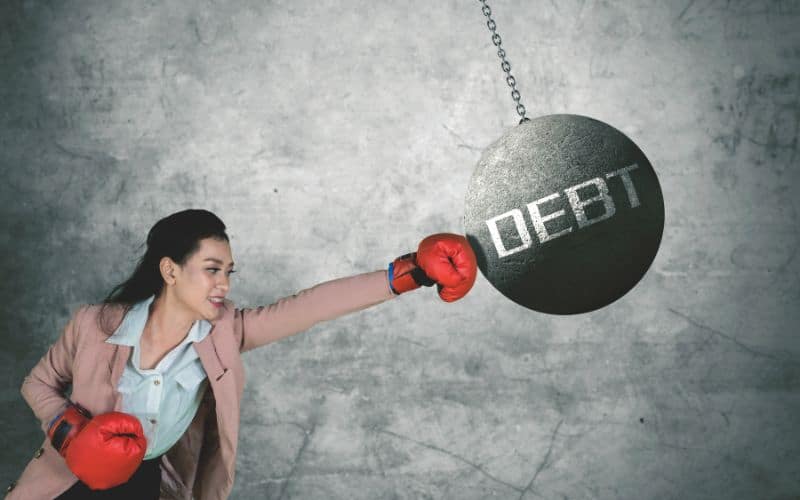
216, 301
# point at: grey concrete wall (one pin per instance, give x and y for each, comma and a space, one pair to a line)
331, 137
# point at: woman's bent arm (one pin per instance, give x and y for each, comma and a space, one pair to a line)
43, 388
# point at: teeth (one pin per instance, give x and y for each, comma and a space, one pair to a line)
218, 301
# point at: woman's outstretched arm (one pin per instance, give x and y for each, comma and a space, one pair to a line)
299, 312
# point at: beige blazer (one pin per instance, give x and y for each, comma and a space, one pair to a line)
201, 464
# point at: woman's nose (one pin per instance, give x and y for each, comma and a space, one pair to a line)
224, 283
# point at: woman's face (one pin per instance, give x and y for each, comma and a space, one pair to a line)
204, 280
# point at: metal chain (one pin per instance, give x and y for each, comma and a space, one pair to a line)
506, 66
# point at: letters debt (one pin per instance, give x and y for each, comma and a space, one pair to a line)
577, 204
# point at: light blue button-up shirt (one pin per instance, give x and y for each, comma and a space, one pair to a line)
165, 398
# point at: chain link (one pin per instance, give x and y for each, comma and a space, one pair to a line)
505, 65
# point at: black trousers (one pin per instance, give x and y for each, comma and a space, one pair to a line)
143, 485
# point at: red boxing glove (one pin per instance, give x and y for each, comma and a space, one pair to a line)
445, 259
103, 451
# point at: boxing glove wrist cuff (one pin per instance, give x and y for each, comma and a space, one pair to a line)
405, 275
66, 425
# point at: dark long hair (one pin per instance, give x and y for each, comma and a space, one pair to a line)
176, 236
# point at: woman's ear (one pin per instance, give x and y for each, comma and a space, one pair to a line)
168, 268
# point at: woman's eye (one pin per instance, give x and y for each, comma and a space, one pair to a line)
215, 269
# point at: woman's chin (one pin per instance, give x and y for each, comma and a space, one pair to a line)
214, 312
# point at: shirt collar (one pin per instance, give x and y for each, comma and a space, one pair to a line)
132, 326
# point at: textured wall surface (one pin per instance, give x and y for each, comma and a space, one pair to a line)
331, 137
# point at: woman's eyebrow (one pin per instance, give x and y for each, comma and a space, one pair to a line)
218, 261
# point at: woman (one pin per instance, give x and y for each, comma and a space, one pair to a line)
159, 361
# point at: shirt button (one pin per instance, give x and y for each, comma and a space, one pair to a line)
153, 421
39, 453
11, 486
156, 382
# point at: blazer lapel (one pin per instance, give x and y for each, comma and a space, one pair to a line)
227, 404
207, 352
